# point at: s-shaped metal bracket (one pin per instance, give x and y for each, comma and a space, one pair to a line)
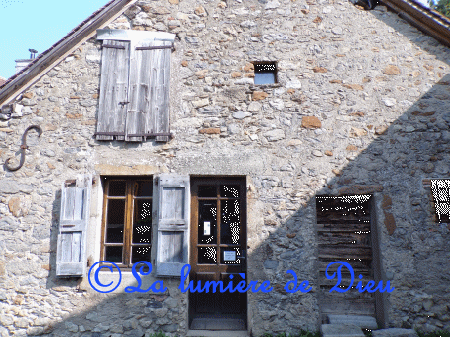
23, 147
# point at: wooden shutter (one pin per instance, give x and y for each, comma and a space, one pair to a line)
74, 217
113, 90
172, 217
148, 110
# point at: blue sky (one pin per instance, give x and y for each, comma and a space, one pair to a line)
37, 24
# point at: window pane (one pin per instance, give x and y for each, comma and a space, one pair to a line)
207, 222
207, 255
113, 254
144, 189
230, 256
142, 226
115, 221
230, 224
264, 78
117, 188
229, 191
207, 191
442, 217
140, 253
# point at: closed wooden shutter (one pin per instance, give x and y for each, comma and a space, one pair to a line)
172, 217
74, 217
148, 110
113, 90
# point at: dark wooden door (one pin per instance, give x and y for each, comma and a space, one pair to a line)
218, 245
344, 233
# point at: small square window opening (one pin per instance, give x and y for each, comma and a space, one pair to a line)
441, 195
265, 72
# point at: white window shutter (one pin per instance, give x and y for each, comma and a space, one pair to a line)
113, 99
441, 194
148, 110
74, 217
172, 217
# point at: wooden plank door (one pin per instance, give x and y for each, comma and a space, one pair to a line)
344, 232
218, 244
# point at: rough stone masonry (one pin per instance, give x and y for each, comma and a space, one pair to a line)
361, 106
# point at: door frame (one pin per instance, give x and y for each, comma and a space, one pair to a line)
193, 254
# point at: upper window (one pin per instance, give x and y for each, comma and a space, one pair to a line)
441, 195
265, 72
134, 87
127, 221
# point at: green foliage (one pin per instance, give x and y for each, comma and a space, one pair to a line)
158, 334
442, 6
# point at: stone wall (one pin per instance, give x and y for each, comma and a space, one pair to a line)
361, 106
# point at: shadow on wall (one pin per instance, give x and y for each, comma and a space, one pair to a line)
413, 247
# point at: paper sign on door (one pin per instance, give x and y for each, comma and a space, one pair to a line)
207, 228
229, 255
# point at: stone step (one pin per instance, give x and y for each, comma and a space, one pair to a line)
365, 322
341, 330
218, 324
394, 332
211, 333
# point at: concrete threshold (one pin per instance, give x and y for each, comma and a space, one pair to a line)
341, 330
213, 333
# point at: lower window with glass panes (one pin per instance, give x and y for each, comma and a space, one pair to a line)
127, 220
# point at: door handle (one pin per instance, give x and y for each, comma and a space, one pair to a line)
241, 257
242, 261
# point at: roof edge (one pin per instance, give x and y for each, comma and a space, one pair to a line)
19, 82
424, 19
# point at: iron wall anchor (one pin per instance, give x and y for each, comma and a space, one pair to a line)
23, 148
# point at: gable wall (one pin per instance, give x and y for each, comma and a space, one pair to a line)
368, 77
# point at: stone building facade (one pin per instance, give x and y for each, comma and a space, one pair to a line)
360, 107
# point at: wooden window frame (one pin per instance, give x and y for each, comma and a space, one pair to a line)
129, 198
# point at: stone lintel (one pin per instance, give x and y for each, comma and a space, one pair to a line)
360, 189
107, 169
